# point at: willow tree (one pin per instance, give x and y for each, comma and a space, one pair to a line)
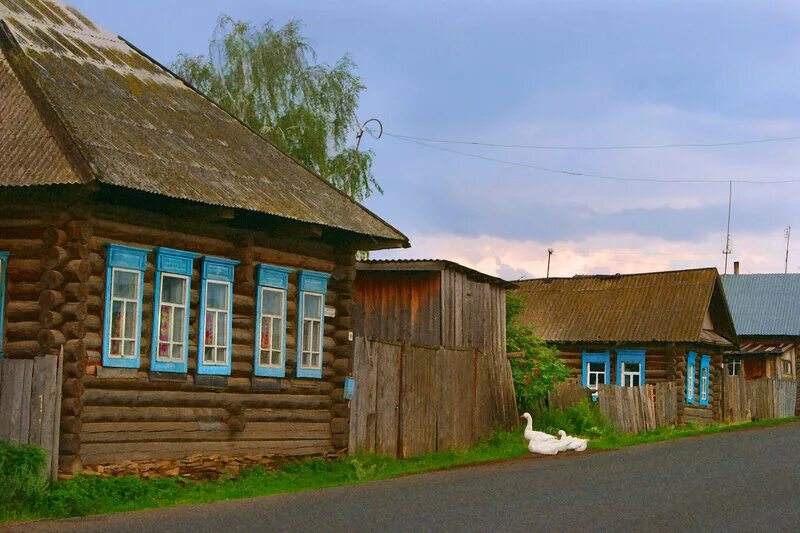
270, 79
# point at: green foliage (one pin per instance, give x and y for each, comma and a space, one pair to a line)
581, 420
22, 475
539, 369
269, 79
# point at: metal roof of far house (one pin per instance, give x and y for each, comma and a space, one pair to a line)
72, 91
628, 308
764, 304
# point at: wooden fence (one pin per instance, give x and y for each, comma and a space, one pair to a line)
745, 400
30, 404
411, 399
637, 409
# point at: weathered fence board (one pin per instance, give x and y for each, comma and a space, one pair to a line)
412, 399
745, 400
638, 409
419, 401
567, 394
30, 404
388, 401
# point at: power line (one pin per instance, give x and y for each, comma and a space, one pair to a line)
573, 173
592, 148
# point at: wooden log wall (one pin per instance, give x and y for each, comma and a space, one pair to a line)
658, 360
121, 414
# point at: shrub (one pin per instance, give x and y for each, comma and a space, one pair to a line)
22, 475
583, 419
539, 368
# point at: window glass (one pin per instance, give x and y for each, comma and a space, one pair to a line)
631, 374
172, 319
217, 295
124, 313
216, 324
173, 289
312, 331
125, 284
271, 327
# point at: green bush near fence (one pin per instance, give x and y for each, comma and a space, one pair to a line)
581, 420
23, 481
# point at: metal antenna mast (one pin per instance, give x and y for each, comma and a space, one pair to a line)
549, 254
787, 233
727, 250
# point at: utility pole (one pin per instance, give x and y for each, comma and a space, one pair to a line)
787, 233
549, 254
727, 250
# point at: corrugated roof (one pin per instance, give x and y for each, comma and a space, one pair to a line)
420, 265
651, 307
764, 304
138, 126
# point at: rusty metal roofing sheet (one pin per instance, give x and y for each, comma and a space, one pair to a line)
652, 307
138, 126
752, 349
431, 265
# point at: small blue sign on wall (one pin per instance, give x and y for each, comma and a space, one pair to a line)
349, 388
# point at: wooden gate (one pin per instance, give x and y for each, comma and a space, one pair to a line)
412, 399
30, 404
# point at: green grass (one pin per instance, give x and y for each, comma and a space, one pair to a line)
84, 495
614, 440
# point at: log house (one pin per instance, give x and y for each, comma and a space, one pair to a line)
637, 329
199, 281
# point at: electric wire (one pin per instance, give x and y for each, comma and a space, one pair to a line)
608, 177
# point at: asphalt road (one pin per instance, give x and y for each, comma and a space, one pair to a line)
741, 481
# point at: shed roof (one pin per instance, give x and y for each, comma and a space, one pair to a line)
122, 119
630, 308
431, 265
762, 349
764, 304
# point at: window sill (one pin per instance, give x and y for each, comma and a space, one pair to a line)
211, 382
111, 372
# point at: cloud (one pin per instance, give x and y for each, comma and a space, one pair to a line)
608, 253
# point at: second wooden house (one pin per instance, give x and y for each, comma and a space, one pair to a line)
634, 329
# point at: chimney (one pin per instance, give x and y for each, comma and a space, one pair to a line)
736, 268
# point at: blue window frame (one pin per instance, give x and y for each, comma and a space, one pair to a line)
122, 321
310, 322
595, 369
270, 340
705, 379
630, 368
691, 359
216, 316
170, 344
3, 268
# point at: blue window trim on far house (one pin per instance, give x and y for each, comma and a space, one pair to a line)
215, 269
630, 356
123, 257
179, 262
309, 281
705, 364
3, 269
691, 360
595, 357
274, 277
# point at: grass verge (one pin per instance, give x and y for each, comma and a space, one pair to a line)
85, 495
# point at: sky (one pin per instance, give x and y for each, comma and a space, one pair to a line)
568, 73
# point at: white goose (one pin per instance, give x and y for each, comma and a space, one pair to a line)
547, 447
573, 443
531, 435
